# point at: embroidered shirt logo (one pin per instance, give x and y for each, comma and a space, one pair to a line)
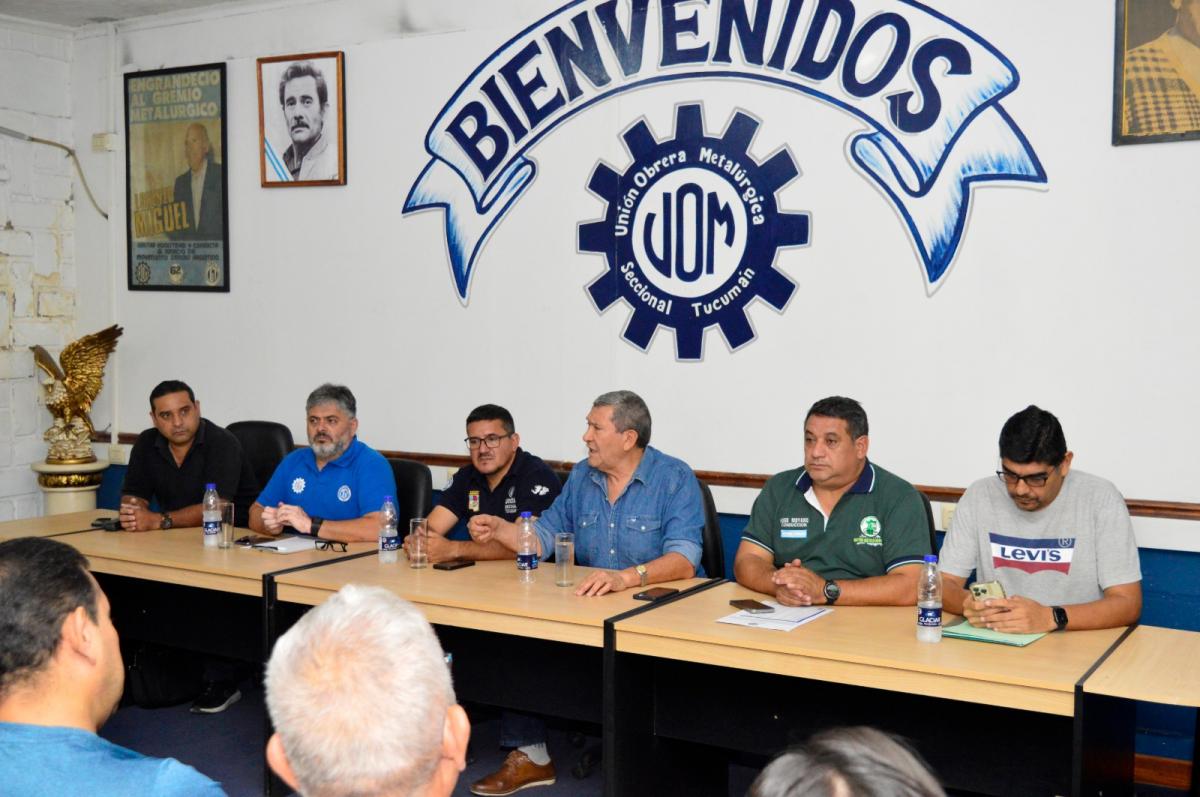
870, 530
343, 493
297, 485
540, 489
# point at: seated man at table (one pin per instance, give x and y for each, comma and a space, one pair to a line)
841, 529
334, 488
1058, 540
172, 462
61, 678
502, 480
636, 512
333, 733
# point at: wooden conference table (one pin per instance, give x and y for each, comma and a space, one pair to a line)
53, 525
1054, 717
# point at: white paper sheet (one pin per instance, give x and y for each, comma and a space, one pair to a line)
784, 618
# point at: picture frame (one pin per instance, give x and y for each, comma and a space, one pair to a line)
176, 180
1156, 94
302, 107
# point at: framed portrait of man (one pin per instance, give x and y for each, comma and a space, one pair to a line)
302, 120
1156, 84
177, 220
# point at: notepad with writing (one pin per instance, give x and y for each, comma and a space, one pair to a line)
784, 618
965, 630
287, 545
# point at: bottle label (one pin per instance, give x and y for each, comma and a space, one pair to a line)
212, 527
527, 561
929, 617
389, 543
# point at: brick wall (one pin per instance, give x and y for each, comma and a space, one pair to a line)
37, 247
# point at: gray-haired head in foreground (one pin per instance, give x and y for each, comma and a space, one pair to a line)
855, 762
329, 393
331, 690
629, 412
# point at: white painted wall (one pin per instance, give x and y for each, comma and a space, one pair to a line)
1078, 297
37, 247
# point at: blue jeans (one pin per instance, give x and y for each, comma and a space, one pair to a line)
520, 730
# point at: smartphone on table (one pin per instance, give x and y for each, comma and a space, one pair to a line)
752, 606
654, 593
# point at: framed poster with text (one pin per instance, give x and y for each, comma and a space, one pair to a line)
177, 222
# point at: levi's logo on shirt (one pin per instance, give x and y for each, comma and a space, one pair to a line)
1032, 556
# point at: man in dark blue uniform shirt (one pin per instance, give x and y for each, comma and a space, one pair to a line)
502, 480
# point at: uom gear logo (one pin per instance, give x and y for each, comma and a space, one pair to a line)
691, 231
926, 90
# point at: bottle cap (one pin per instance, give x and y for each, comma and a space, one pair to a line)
526, 514
931, 557
210, 486
387, 498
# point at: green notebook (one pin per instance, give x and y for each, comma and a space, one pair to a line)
965, 630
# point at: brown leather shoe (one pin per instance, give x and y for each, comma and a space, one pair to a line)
516, 773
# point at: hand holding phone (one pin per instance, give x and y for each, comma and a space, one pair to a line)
987, 589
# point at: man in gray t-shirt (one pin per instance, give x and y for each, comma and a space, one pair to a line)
1059, 541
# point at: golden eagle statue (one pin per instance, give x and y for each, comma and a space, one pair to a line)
70, 391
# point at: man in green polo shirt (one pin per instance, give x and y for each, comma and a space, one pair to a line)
841, 529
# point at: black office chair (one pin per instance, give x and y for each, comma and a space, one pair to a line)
266, 443
713, 555
933, 548
414, 490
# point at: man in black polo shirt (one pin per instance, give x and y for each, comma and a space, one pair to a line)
172, 462
502, 480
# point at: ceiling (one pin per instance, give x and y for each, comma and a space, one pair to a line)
75, 13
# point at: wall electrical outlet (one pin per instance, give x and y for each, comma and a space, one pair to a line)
104, 142
947, 515
116, 455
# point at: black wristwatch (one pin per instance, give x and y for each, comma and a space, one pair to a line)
1060, 617
315, 529
166, 521
832, 592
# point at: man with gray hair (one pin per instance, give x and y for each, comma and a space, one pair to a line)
636, 513
334, 735
333, 489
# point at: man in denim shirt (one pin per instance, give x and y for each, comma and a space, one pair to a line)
635, 512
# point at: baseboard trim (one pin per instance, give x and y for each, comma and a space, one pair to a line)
1170, 773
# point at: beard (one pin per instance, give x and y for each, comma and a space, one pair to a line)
329, 450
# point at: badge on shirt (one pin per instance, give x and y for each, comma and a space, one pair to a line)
870, 532
539, 489
297, 485
510, 502
793, 528
473, 501
344, 493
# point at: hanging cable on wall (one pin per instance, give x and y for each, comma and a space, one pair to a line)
78, 169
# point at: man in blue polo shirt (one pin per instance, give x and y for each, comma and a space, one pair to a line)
334, 488
841, 529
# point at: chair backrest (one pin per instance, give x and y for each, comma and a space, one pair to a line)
713, 555
932, 526
265, 443
414, 490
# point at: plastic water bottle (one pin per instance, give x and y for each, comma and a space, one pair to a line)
211, 506
929, 601
527, 559
389, 534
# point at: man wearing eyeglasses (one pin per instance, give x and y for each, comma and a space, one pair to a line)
503, 480
1058, 540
